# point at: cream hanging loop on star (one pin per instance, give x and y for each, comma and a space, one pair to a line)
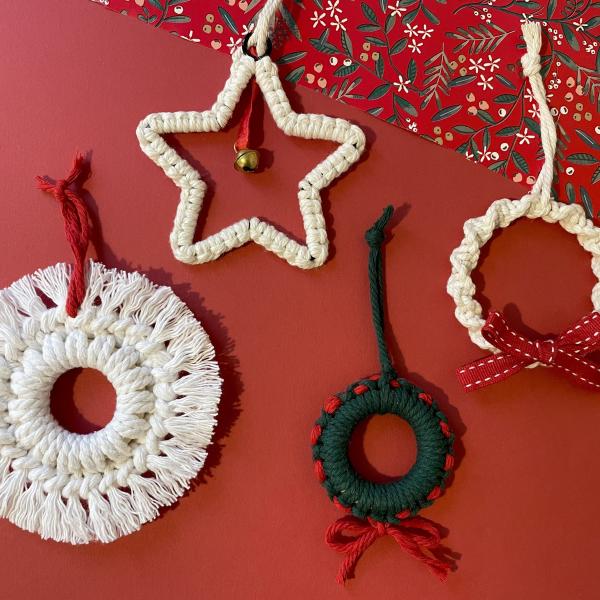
264, 25
351, 139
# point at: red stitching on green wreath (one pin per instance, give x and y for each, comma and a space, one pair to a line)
332, 404
315, 434
383, 507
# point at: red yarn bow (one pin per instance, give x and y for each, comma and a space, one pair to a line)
353, 536
77, 228
563, 352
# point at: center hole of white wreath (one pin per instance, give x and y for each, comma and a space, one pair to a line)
82, 400
382, 448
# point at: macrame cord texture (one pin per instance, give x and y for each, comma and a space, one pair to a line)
375, 509
244, 67
97, 487
538, 203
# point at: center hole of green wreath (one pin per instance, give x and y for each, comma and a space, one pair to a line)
82, 400
382, 448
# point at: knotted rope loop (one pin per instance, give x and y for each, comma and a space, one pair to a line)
532, 34
260, 35
531, 64
531, 59
416, 536
77, 228
59, 188
375, 237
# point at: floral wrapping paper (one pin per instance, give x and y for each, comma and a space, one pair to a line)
447, 70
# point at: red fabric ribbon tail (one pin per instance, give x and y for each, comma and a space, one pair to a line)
77, 227
417, 536
486, 371
243, 139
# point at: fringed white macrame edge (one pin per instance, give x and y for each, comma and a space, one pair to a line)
83, 488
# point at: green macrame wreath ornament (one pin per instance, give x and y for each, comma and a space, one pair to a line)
378, 509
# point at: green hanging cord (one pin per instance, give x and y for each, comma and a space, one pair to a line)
390, 508
375, 237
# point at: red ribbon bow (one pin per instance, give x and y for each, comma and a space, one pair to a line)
563, 352
353, 536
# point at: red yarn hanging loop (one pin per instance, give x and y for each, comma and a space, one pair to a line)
77, 227
417, 536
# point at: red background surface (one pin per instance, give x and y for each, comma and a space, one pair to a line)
521, 509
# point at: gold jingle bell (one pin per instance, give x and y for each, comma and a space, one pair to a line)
246, 160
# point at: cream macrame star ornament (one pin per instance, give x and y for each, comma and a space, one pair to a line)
251, 61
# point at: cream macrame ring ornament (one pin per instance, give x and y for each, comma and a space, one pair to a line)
351, 139
98, 487
536, 204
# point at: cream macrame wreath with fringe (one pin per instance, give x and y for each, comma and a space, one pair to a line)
193, 189
100, 486
536, 204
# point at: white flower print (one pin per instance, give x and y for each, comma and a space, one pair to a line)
534, 111
339, 23
425, 33
246, 29
492, 63
190, 37
485, 82
396, 10
580, 25
476, 65
402, 84
411, 31
333, 6
415, 46
318, 19
488, 155
525, 137
234, 44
